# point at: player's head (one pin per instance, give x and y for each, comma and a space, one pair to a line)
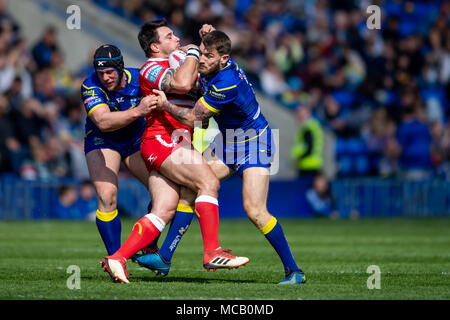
215, 51
108, 63
157, 39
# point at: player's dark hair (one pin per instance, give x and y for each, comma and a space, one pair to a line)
148, 35
217, 40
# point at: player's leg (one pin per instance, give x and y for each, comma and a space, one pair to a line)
103, 165
160, 262
187, 167
255, 188
165, 196
136, 165
179, 224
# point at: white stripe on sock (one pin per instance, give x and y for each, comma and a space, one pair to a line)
157, 221
205, 198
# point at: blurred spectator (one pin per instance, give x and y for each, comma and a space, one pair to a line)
29, 122
389, 163
71, 133
8, 143
66, 207
7, 72
438, 150
316, 53
319, 198
205, 11
414, 139
381, 143
61, 76
45, 48
272, 80
87, 201
308, 145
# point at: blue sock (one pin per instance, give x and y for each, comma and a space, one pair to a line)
178, 227
110, 228
274, 233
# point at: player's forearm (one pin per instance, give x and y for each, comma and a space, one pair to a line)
183, 114
186, 76
111, 121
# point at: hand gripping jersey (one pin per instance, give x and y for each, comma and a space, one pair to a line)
246, 138
161, 122
95, 95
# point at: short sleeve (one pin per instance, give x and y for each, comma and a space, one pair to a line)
93, 97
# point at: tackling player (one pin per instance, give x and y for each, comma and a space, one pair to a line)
166, 148
115, 122
245, 145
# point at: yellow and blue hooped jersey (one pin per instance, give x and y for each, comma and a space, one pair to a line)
230, 96
95, 95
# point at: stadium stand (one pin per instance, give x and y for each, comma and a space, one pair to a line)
372, 90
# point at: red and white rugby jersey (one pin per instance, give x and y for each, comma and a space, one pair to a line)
161, 122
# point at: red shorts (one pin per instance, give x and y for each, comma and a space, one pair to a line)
156, 149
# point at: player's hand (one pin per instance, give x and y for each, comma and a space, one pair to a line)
146, 106
186, 47
206, 28
159, 97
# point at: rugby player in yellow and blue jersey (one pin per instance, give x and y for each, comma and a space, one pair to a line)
245, 145
114, 125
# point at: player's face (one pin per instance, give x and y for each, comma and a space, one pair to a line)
168, 42
108, 78
210, 61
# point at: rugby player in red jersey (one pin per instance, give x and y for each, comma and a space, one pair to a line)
166, 147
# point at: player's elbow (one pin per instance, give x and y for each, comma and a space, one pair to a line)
184, 87
103, 125
105, 128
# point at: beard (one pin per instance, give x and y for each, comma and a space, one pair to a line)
211, 70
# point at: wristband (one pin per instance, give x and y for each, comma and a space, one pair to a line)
193, 52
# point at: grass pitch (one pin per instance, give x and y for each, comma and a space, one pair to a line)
412, 254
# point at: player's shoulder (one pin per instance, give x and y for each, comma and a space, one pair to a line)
227, 79
91, 80
132, 75
92, 86
153, 68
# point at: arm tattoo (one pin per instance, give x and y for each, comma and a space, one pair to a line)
202, 114
187, 115
179, 113
167, 81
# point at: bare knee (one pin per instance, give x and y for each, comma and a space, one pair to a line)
107, 198
257, 213
209, 185
165, 214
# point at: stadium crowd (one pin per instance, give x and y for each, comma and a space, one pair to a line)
382, 93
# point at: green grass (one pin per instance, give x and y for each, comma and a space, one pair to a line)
413, 256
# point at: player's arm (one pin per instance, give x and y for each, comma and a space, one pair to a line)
184, 78
107, 121
187, 116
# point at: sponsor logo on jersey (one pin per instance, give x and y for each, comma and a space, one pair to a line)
153, 73
88, 93
92, 101
217, 95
